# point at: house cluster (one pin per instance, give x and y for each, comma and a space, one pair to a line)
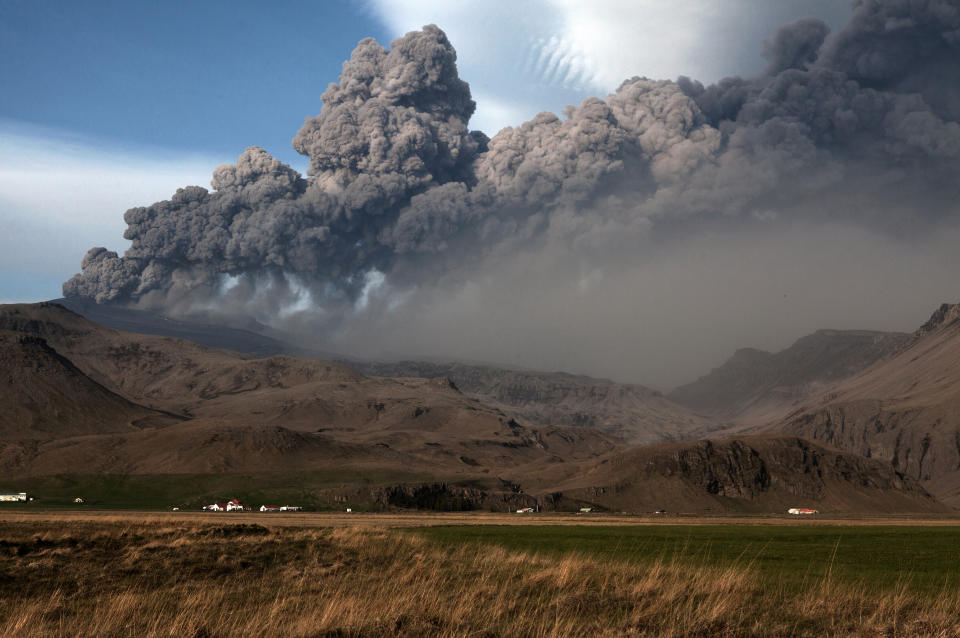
14, 497
230, 506
235, 505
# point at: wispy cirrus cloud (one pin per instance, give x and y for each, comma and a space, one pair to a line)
60, 193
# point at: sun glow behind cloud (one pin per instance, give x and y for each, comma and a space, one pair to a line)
523, 58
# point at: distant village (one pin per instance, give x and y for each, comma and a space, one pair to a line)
236, 506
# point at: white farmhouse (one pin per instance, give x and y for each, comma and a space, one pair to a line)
13, 497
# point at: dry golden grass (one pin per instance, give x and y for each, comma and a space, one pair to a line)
115, 578
429, 518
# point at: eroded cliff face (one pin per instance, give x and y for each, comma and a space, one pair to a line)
905, 411
753, 474
748, 468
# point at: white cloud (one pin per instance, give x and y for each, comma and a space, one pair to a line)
543, 54
61, 194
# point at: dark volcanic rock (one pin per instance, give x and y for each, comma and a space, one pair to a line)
748, 474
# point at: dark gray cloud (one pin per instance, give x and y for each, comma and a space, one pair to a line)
856, 127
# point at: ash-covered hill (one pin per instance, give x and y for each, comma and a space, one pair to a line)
43, 395
754, 387
249, 337
632, 412
240, 414
904, 410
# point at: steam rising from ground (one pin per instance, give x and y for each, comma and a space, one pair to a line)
640, 236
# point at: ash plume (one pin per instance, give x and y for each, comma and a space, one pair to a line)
404, 204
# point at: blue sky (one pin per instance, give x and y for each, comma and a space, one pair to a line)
108, 105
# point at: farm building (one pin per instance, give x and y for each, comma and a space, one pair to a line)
269, 508
525, 510
236, 506
796, 511
230, 506
13, 497
290, 508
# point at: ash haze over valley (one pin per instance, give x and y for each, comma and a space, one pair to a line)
642, 235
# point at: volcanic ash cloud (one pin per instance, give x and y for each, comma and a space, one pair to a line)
857, 127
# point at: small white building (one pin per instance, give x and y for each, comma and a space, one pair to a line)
290, 508
234, 506
801, 511
270, 508
13, 497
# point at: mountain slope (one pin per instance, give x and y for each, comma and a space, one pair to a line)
904, 410
307, 407
45, 396
632, 412
249, 338
754, 387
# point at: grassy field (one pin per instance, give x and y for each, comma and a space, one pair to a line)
919, 559
120, 576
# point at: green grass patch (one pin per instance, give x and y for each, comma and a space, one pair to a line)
921, 559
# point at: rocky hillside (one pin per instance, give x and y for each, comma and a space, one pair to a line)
768, 474
756, 387
905, 410
633, 413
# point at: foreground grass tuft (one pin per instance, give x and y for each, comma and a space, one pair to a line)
200, 580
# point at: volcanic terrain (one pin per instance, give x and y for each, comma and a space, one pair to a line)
88, 400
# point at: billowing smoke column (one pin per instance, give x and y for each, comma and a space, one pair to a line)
399, 185
394, 127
